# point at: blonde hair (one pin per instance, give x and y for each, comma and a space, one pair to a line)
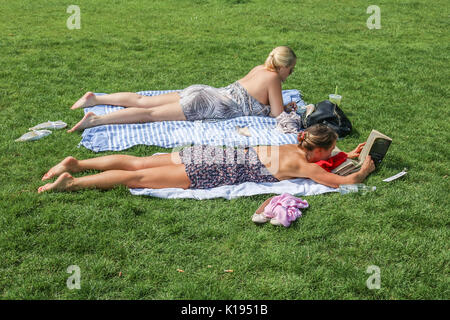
280, 57
317, 136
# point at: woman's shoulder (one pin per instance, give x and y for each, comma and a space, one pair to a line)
259, 79
291, 162
261, 70
262, 77
293, 155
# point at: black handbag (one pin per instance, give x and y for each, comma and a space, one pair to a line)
330, 114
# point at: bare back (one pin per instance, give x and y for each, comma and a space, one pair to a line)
289, 161
283, 162
264, 86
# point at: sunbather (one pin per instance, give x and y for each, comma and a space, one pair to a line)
208, 167
257, 94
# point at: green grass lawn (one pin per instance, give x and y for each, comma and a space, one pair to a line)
394, 79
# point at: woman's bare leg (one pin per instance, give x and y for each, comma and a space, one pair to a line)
113, 162
173, 176
172, 111
126, 99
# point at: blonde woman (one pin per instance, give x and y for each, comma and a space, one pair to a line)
256, 94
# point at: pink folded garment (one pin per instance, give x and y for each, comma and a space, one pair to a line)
285, 208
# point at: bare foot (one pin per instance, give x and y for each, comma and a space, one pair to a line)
69, 164
64, 182
88, 100
87, 122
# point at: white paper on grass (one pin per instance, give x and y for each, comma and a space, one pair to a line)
398, 175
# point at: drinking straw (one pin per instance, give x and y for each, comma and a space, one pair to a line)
335, 91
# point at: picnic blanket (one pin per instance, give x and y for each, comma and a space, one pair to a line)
298, 187
170, 134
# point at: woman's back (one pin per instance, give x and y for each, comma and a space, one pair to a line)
257, 83
282, 160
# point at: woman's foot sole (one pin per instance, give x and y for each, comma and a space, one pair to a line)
86, 122
87, 100
69, 164
63, 183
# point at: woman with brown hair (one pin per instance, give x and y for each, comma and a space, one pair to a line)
202, 167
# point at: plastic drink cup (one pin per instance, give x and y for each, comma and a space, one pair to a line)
335, 98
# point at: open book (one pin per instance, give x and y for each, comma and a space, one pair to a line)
377, 145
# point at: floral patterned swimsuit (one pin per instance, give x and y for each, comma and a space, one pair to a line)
200, 102
212, 166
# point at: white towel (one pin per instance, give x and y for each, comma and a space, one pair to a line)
298, 187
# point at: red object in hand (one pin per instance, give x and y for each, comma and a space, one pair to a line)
332, 162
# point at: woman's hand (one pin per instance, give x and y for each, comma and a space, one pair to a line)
368, 166
290, 106
355, 153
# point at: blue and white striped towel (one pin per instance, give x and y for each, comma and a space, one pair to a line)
170, 134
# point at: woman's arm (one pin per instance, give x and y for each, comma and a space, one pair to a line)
318, 174
275, 96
